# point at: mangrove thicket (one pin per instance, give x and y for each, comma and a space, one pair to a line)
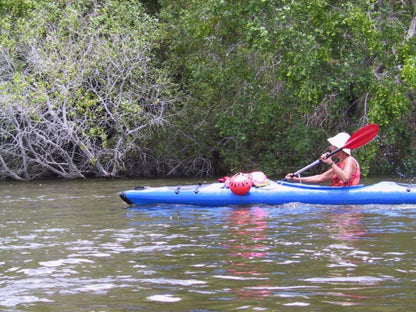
107, 88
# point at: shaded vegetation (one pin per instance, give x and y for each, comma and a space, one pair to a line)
185, 88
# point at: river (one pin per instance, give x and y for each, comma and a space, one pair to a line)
75, 246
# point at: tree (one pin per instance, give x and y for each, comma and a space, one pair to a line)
274, 79
105, 88
80, 90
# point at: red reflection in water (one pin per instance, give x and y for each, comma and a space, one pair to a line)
347, 226
247, 249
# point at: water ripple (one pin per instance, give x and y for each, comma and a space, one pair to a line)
73, 251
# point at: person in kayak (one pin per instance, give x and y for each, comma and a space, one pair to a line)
344, 173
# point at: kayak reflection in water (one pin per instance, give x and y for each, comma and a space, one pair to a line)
344, 173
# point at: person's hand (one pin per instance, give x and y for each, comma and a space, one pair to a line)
289, 177
327, 160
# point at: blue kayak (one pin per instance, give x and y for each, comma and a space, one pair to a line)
275, 193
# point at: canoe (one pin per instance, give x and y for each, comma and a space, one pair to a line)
275, 193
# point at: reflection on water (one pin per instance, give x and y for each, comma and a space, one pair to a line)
248, 249
347, 224
72, 246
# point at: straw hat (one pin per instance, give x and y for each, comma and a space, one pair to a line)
339, 141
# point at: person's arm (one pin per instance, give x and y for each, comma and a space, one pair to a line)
319, 178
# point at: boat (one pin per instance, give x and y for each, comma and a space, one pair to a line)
274, 193
255, 188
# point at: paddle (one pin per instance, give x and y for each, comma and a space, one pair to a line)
358, 138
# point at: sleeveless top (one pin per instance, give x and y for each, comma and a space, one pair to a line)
354, 180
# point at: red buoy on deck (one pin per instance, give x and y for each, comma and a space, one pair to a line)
240, 183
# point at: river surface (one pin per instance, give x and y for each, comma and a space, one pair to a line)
75, 246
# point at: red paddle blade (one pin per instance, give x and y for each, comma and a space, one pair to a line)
362, 136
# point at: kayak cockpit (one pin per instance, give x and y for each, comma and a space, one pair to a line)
317, 187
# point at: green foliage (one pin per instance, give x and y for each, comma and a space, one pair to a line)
82, 79
212, 87
16, 8
272, 79
408, 73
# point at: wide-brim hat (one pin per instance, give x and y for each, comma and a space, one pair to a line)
339, 141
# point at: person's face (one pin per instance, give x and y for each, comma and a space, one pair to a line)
332, 148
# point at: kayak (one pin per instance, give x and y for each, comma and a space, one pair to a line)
275, 193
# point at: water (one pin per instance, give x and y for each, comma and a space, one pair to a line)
73, 246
